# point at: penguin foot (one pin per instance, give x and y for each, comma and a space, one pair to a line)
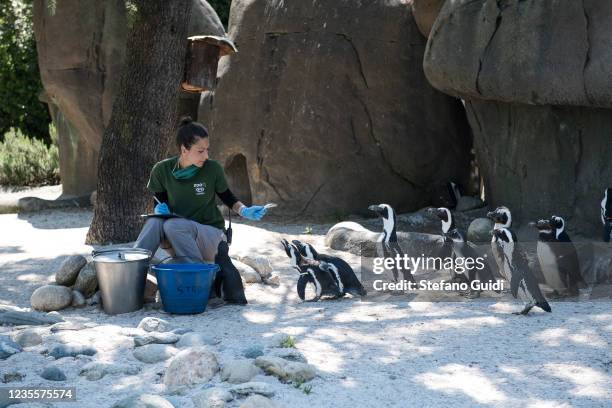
525, 311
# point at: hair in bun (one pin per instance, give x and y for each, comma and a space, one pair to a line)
188, 132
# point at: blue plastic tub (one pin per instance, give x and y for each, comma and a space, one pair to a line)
184, 288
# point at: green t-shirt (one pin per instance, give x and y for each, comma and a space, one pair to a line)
194, 198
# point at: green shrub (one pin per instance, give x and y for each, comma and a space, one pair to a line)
27, 162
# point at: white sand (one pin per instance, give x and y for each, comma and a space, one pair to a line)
369, 354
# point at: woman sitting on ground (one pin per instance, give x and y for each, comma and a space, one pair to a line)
186, 185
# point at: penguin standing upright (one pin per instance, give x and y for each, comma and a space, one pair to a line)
515, 269
502, 218
339, 269
460, 249
557, 257
311, 272
606, 214
388, 237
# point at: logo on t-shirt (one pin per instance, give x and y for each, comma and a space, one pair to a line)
199, 188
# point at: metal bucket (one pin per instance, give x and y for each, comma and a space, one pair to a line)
122, 273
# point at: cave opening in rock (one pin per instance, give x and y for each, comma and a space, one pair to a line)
238, 178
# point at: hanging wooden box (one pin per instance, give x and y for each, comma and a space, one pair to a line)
201, 61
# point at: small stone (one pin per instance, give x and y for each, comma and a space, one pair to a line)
254, 387
87, 282
253, 351
290, 354
95, 370
248, 274
69, 270
479, 230
15, 317
191, 366
154, 324
180, 331
239, 371
78, 300
71, 350
156, 338
67, 326
273, 279
195, 339
8, 347
53, 373
143, 401
154, 353
12, 376
28, 338
212, 398
259, 263
286, 370
258, 401
95, 299
51, 297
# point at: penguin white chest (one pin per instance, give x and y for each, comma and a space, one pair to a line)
549, 266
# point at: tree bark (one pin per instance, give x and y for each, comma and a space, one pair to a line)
142, 121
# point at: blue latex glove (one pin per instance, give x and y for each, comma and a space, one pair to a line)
254, 213
161, 209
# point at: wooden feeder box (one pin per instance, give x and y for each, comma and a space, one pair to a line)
201, 61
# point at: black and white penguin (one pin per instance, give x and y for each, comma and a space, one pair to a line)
311, 272
515, 269
339, 269
502, 218
388, 237
606, 214
460, 248
557, 257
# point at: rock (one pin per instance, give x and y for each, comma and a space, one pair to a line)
53, 373
71, 350
153, 324
258, 401
277, 340
14, 316
180, 331
78, 300
28, 338
248, 274
143, 401
51, 297
239, 371
87, 282
259, 263
155, 337
69, 270
96, 299
479, 231
425, 13
154, 353
195, 339
467, 203
212, 398
286, 370
191, 366
8, 347
273, 279
289, 354
253, 387
253, 351
75, 326
12, 376
95, 370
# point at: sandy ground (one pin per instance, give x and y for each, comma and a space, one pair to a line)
393, 354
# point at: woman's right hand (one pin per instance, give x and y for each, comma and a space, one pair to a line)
161, 208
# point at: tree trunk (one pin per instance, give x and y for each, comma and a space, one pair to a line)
142, 121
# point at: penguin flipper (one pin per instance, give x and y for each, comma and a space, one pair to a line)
301, 286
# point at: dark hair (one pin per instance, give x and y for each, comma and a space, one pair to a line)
188, 132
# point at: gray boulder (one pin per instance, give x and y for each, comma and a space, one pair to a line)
286, 370
260, 264
78, 300
212, 398
87, 282
154, 324
14, 316
71, 350
191, 366
28, 338
53, 373
247, 273
239, 371
8, 347
69, 270
51, 297
382, 137
157, 338
154, 353
479, 231
195, 339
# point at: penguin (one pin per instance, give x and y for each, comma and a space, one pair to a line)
460, 248
339, 269
311, 272
388, 237
502, 218
515, 269
557, 256
606, 214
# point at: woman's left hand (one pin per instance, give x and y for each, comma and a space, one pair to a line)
254, 212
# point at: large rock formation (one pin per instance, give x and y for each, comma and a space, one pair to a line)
81, 46
326, 110
534, 79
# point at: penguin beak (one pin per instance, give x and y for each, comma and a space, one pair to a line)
375, 208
